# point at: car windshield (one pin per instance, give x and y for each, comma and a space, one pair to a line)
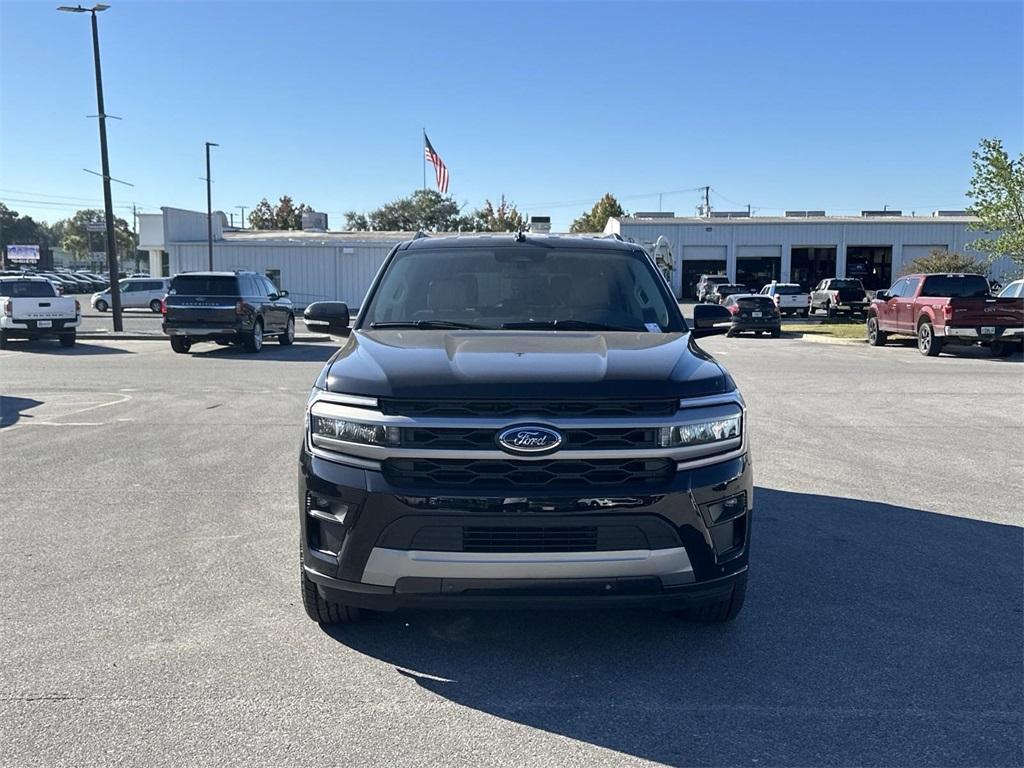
725, 289
204, 285
522, 287
720, 280
35, 289
788, 290
837, 284
955, 286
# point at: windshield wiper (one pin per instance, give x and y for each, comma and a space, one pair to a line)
564, 325
424, 324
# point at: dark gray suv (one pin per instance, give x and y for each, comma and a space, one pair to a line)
227, 308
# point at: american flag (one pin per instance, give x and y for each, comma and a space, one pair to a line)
440, 169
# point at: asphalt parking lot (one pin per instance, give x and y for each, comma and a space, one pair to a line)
148, 578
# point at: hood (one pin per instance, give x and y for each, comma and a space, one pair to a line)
518, 364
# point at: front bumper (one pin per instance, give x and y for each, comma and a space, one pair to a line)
369, 544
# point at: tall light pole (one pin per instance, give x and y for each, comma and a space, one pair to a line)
108, 204
209, 206
243, 214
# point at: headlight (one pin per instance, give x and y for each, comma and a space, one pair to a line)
713, 431
352, 431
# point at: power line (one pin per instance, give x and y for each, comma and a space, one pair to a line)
55, 204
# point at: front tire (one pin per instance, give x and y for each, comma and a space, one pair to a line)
102, 306
3, 340
254, 341
776, 333
288, 337
155, 306
181, 344
876, 337
323, 612
927, 343
719, 612
68, 339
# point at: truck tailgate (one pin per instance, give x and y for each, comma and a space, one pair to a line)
44, 308
979, 312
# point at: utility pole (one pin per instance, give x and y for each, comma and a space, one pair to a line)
209, 207
243, 214
108, 204
707, 202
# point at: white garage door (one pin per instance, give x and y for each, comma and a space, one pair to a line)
703, 252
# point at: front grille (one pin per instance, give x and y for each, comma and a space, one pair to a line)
537, 537
455, 474
470, 438
530, 539
515, 408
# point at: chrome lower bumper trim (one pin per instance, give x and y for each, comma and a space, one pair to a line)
386, 566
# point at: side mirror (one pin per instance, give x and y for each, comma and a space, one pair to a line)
329, 316
708, 319
282, 294
882, 295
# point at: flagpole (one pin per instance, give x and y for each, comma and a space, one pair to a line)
423, 157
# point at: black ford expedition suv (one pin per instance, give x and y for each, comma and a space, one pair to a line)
523, 419
228, 308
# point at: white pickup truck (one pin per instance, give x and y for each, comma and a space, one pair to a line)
790, 298
30, 308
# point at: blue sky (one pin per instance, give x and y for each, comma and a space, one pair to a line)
835, 105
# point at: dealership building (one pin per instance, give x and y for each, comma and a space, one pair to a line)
315, 264
802, 247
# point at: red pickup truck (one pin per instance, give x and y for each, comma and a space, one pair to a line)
940, 309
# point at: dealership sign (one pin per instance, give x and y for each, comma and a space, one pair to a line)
23, 253
96, 226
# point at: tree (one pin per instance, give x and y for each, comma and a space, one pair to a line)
944, 261
284, 215
356, 221
262, 215
16, 229
79, 241
424, 210
997, 190
596, 220
504, 218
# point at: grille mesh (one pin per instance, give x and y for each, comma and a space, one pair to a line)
502, 474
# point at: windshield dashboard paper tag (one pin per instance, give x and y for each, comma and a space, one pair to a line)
653, 327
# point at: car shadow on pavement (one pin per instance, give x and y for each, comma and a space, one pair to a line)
11, 409
872, 635
297, 352
53, 347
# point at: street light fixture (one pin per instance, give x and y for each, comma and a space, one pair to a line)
108, 204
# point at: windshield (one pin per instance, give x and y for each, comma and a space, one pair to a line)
755, 302
34, 289
719, 280
788, 290
955, 286
523, 287
727, 289
204, 285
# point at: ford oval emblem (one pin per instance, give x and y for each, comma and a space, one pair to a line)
529, 438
